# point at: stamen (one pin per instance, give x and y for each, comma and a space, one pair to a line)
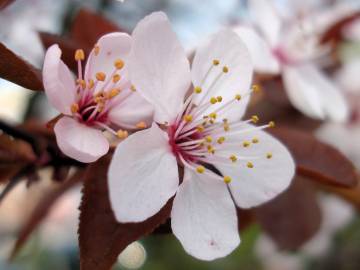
220, 140
255, 140
256, 88
122, 134
208, 139
216, 62
213, 100
96, 50
141, 125
225, 69
254, 119
227, 179
200, 169
119, 64
74, 108
271, 124
233, 158
197, 90
132, 88
269, 155
250, 165
116, 78
246, 144
100, 76
188, 118
79, 55
91, 83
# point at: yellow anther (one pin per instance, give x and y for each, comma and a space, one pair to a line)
100, 76
233, 158
238, 97
211, 149
254, 119
256, 88
226, 127
227, 179
250, 165
132, 88
216, 62
200, 128
113, 93
255, 140
269, 155
96, 49
79, 55
141, 125
213, 100
82, 83
219, 98
91, 83
208, 139
212, 115
246, 144
211, 121
271, 124
188, 118
220, 140
74, 108
197, 90
225, 69
116, 78
122, 134
200, 169
119, 64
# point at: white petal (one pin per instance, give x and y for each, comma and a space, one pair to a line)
112, 47
263, 59
58, 81
79, 141
131, 111
159, 68
203, 217
143, 175
269, 177
266, 18
312, 93
227, 47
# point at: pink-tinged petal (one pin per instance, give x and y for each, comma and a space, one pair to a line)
203, 217
109, 48
143, 175
58, 81
263, 59
269, 176
79, 141
267, 19
158, 66
311, 92
131, 111
226, 47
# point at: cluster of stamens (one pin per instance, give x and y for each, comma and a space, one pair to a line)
97, 96
199, 139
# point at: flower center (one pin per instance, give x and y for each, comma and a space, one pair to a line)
199, 138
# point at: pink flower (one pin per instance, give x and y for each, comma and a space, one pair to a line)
291, 48
197, 127
98, 100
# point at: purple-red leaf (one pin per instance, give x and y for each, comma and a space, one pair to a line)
293, 217
5, 3
42, 209
317, 160
101, 237
89, 26
15, 69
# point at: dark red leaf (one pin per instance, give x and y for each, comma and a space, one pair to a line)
15, 69
5, 3
101, 237
335, 32
67, 46
292, 218
42, 209
12, 150
89, 26
317, 160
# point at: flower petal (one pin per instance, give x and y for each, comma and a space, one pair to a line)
79, 141
131, 111
58, 81
269, 177
314, 94
109, 48
229, 50
263, 59
204, 218
143, 175
159, 68
266, 18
